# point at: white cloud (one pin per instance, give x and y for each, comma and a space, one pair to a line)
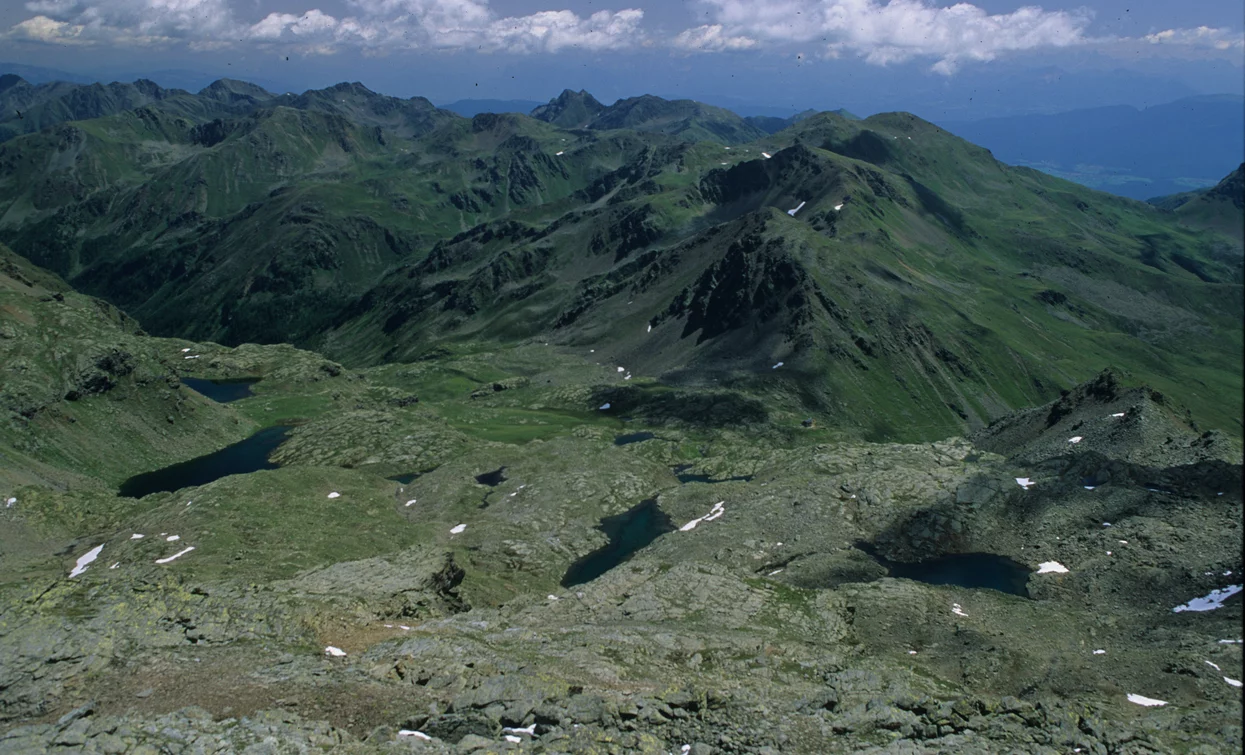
892, 32
375, 25
1201, 37
711, 38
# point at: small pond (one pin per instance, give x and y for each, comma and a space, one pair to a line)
222, 391
681, 473
492, 479
972, 570
628, 532
624, 440
245, 456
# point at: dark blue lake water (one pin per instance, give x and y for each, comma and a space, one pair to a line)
222, 391
680, 472
245, 456
623, 440
628, 532
973, 570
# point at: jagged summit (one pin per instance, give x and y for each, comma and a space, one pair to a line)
570, 109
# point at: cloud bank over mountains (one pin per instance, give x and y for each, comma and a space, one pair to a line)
880, 33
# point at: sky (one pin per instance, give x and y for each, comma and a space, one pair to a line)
943, 60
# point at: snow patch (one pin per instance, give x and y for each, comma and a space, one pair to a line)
410, 502
1215, 666
958, 610
9, 503
719, 508
1075, 439
1118, 414
559, 154
1233, 682
335, 495
776, 571
798, 207
1210, 602
512, 739
604, 406
335, 652
780, 364
766, 155
179, 554
1100, 652
529, 730
85, 560
1149, 702
172, 538
196, 356
838, 207
1025, 482
622, 369
185, 350
458, 529
137, 536
1052, 567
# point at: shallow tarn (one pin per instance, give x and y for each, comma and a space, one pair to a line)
972, 570
628, 532
222, 391
250, 455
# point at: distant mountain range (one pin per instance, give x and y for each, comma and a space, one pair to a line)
674, 237
1160, 150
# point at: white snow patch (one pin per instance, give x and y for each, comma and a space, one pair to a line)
1215, 666
552, 597
416, 734
1149, 702
1106, 524
196, 356
798, 207
1210, 602
911, 652
85, 560
957, 610
185, 350
1075, 439
335, 652
838, 207
458, 529
1123, 542
1089, 487
410, 502
719, 508
627, 377
776, 571
604, 406
1052, 567
114, 566
172, 538
137, 536
622, 369
1118, 414
530, 730
335, 495
780, 364
1233, 682
685, 748
512, 739
9, 503
766, 155
650, 329
560, 153
1100, 652
1025, 482
1230, 642
179, 554
404, 627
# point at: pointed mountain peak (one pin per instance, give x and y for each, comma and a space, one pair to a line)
10, 80
570, 109
232, 89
